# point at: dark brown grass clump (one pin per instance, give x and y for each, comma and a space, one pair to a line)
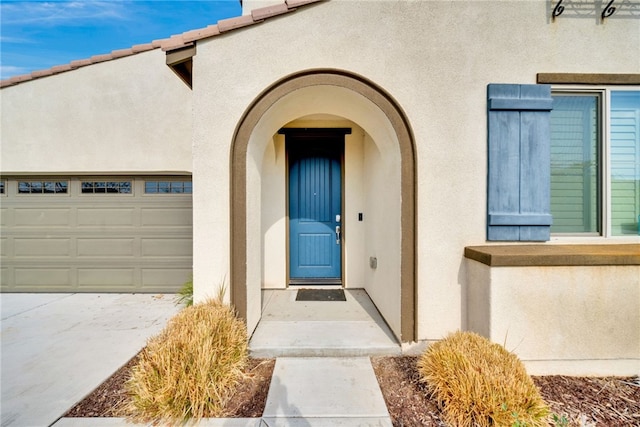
191, 369
479, 383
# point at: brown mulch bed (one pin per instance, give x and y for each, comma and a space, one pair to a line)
108, 400
582, 401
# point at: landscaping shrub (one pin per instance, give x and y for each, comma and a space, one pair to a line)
479, 383
185, 294
190, 370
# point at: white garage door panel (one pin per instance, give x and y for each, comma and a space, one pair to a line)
42, 216
162, 278
106, 217
79, 242
152, 247
106, 247
166, 217
38, 248
112, 277
41, 279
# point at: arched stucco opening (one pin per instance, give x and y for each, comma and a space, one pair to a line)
391, 164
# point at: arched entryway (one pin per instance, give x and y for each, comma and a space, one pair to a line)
345, 95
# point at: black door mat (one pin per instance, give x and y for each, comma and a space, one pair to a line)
321, 295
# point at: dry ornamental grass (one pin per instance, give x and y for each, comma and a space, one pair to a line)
479, 383
191, 369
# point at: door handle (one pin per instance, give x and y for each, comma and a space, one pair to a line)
337, 234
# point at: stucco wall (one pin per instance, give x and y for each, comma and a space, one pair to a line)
570, 320
435, 59
129, 115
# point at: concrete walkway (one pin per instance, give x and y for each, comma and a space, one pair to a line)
56, 348
325, 391
320, 328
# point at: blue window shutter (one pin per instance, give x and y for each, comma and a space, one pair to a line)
519, 175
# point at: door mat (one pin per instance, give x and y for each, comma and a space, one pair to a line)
321, 295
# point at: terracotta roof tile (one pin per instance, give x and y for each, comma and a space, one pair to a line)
225, 25
142, 47
121, 52
20, 79
201, 33
80, 63
61, 68
101, 58
297, 3
41, 73
270, 11
174, 42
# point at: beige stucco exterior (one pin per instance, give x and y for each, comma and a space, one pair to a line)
576, 320
126, 116
422, 57
432, 62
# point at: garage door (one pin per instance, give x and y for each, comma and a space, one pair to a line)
95, 234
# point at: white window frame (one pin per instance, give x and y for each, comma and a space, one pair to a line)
604, 91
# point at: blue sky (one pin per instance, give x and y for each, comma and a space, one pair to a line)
36, 35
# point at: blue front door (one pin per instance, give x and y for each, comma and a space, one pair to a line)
315, 210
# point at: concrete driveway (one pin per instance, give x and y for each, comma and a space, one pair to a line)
56, 348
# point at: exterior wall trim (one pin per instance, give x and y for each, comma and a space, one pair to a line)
554, 255
238, 155
588, 79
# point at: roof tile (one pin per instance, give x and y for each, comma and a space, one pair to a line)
20, 79
225, 25
201, 33
270, 11
173, 42
80, 63
121, 52
142, 47
41, 73
60, 68
101, 58
297, 3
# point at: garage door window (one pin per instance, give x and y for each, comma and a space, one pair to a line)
43, 187
104, 187
2, 186
168, 187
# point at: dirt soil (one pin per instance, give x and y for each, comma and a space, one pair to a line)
582, 401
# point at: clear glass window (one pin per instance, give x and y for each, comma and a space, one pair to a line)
625, 162
595, 162
112, 187
43, 187
576, 164
168, 187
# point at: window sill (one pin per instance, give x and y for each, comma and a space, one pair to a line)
554, 255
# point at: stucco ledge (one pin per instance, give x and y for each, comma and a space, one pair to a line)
554, 255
